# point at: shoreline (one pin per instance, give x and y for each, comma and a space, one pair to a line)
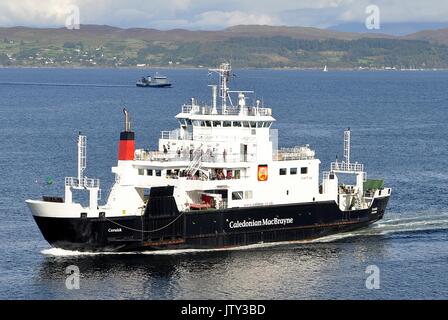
238, 68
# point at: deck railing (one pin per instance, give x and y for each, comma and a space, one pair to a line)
207, 110
176, 135
206, 157
347, 167
83, 182
296, 153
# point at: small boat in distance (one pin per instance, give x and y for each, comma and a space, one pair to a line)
325, 69
156, 81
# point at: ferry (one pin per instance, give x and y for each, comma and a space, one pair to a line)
157, 81
217, 181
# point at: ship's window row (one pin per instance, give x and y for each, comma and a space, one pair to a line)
240, 195
216, 174
226, 123
293, 171
150, 172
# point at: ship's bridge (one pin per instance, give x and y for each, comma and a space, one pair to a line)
231, 127
229, 117
230, 109
241, 123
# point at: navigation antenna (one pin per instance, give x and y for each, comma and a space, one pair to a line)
224, 77
347, 145
82, 156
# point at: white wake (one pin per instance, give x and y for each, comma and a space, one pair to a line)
422, 222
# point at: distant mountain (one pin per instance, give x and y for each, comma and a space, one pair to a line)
305, 33
436, 36
245, 46
395, 29
108, 32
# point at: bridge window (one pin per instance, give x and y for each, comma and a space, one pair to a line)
149, 172
227, 124
158, 173
141, 172
236, 123
246, 124
293, 171
253, 124
237, 195
217, 123
304, 170
282, 171
208, 123
260, 124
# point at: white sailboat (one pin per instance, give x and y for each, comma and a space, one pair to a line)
325, 69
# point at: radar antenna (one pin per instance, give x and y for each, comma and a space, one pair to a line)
224, 71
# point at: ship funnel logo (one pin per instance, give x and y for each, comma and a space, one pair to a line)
262, 172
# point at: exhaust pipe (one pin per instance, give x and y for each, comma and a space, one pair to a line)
126, 148
127, 124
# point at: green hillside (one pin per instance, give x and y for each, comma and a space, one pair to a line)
271, 47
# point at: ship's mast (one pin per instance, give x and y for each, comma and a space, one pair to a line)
347, 146
224, 78
82, 182
82, 156
346, 167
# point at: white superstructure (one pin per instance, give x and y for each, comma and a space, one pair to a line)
222, 155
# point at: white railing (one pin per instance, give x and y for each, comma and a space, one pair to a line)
248, 111
229, 138
207, 157
176, 135
296, 153
186, 108
82, 183
196, 109
207, 110
347, 167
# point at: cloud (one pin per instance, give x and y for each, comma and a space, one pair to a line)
220, 19
29, 12
215, 14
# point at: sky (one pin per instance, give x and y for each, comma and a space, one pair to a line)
216, 15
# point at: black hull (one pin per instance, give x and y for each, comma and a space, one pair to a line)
163, 227
153, 85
